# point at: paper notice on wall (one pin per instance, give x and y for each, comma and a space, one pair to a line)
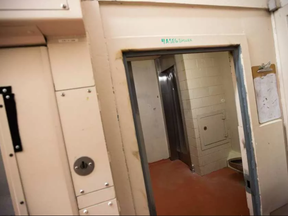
267, 98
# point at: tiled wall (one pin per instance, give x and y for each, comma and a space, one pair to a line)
204, 90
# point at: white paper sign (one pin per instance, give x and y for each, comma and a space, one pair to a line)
267, 98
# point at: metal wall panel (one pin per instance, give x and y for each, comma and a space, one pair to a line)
105, 208
83, 133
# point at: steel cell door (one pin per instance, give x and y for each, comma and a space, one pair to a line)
173, 117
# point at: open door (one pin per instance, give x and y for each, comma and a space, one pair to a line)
263, 143
172, 113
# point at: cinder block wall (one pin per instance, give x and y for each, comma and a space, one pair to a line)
203, 91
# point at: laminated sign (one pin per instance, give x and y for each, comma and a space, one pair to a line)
266, 90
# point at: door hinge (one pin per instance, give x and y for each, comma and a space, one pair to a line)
11, 112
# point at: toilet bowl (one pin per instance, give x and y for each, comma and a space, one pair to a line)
236, 163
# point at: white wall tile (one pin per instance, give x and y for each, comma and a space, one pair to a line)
206, 91
178, 58
194, 83
195, 73
188, 114
186, 104
213, 71
190, 64
201, 111
215, 90
195, 123
219, 107
198, 93
180, 66
209, 81
204, 79
185, 95
213, 100
196, 103
215, 156
193, 56
205, 62
181, 76
213, 166
183, 85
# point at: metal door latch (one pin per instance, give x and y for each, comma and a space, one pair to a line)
247, 183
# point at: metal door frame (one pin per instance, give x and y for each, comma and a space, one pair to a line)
236, 52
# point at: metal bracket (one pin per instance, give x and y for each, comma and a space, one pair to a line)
11, 112
247, 183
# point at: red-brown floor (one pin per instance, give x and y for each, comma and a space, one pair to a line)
178, 191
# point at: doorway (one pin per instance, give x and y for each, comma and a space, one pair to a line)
219, 133
206, 142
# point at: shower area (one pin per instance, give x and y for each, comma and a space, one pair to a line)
188, 110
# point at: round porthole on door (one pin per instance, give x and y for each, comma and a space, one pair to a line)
84, 166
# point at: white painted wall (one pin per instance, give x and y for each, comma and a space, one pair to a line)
205, 26
150, 108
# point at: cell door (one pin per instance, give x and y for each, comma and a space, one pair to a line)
41, 168
262, 143
173, 117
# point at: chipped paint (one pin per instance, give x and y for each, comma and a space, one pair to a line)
136, 155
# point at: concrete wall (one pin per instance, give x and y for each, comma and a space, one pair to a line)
150, 108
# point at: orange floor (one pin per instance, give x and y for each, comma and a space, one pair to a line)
178, 191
